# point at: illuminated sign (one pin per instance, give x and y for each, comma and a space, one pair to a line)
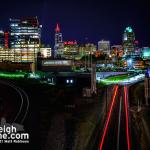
70, 43
56, 63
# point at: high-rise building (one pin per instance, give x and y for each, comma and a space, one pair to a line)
104, 46
87, 49
5, 52
116, 51
70, 49
146, 53
128, 41
2, 39
45, 52
2, 46
25, 37
59, 45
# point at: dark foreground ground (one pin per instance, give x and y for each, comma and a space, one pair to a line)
58, 117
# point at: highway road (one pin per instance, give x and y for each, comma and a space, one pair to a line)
14, 102
118, 133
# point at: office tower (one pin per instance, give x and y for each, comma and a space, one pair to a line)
128, 41
59, 45
87, 49
45, 52
146, 53
70, 49
104, 46
5, 52
2, 46
116, 51
25, 34
2, 39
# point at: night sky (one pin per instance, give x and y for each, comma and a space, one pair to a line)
83, 20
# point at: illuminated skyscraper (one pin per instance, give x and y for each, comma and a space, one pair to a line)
45, 52
2, 39
128, 41
104, 46
87, 49
59, 45
4, 36
25, 37
70, 49
5, 52
146, 53
116, 51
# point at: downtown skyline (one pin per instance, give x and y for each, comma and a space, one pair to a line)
85, 21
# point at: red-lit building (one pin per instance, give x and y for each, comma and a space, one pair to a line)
2, 39
5, 52
59, 45
6, 39
70, 49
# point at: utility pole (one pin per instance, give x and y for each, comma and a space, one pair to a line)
147, 90
93, 78
147, 86
85, 62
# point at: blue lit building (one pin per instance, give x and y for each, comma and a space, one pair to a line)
59, 45
146, 53
128, 41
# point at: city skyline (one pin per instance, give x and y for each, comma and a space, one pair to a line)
84, 21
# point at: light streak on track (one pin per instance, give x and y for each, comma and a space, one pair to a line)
127, 117
108, 118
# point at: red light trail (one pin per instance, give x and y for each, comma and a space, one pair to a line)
127, 118
108, 118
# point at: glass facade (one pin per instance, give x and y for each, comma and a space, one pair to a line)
70, 50
5, 53
104, 46
128, 41
146, 53
59, 45
2, 42
25, 39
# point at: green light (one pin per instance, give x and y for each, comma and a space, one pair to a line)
146, 54
128, 29
114, 79
11, 75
